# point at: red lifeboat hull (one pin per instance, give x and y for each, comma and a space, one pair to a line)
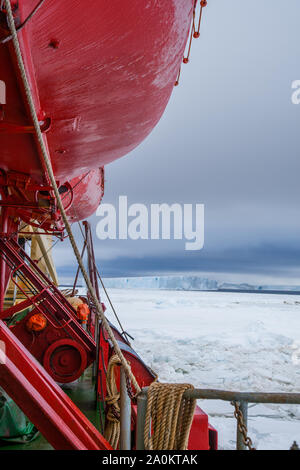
101, 75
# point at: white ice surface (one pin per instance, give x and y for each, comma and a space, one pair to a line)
234, 341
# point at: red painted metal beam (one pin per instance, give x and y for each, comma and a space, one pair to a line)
43, 401
9, 312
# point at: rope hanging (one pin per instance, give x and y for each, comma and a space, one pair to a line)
49, 169
169, 416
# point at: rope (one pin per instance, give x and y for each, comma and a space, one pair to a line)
124, 333
112, 427
48, 165
169, 417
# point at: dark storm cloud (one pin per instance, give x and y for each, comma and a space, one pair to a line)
260, 260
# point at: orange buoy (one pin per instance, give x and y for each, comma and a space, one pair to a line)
36, 322
83, 312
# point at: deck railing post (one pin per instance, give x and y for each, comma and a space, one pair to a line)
240, 444
125, 413
141, 417
97, 339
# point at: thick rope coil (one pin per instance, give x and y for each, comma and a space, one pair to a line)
112, 427
49, 169
169, 417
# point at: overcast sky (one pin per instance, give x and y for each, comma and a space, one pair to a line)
229, 139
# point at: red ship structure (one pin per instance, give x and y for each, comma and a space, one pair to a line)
95, 77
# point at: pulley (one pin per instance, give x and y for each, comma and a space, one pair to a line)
65, 360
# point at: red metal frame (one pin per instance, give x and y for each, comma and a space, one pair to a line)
43, 401
33, 203
47, 300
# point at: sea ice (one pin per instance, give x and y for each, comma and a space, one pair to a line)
234, 341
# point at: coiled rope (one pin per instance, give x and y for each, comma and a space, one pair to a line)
169, 417
48, 165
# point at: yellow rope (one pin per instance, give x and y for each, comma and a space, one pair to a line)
169, 417
48, 165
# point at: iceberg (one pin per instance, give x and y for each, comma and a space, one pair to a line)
191, 283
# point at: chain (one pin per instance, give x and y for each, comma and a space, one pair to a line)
241, 426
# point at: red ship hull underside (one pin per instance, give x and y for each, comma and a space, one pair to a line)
101, 74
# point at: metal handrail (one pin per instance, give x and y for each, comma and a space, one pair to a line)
242, 398
250, 397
